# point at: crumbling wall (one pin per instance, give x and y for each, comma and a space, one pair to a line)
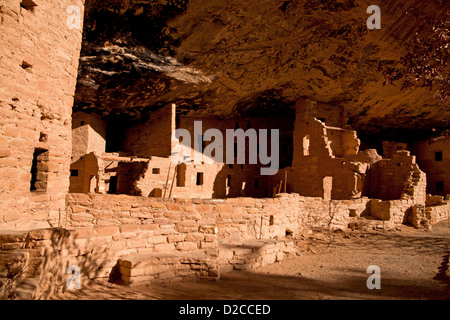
241, 219
332, 215
343, 142
327, 162
439, 212
398, 178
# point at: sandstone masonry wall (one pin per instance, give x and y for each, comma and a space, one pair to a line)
154, 137
433, 157
440, 212
38, 72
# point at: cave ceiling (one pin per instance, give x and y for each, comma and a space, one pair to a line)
237, 58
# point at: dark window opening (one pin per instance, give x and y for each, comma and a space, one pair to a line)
26, 66
156, 171
181, 175
438, 156
82, 123
43, 137
271, 221
74, 173
199, 181
257, 186
440, 186
28, 5
39, 170
112, 185
286, 154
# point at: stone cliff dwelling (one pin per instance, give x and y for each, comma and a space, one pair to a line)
86, 141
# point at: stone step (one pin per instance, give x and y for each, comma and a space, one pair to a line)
251, 254
370, 222
13, 262
27, 289
162, 266
11, 236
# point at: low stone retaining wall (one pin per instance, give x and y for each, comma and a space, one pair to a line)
136, 268
251, 254
105, 235
439, 212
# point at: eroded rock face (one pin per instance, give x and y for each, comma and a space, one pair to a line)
229, 58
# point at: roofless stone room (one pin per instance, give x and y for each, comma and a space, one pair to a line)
237, 150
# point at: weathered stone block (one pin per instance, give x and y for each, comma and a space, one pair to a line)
175, 238
187, 226
167, 247
157, 239
186, 246
107, 231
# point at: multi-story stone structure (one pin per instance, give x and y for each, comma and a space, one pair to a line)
78, 190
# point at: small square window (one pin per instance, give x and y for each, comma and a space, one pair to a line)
74, 173
43, 137
156, 170
26, 66
440, 186
438, 156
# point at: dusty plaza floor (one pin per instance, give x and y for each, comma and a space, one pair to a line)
414, 264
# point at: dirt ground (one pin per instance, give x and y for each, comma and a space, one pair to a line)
414, 264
